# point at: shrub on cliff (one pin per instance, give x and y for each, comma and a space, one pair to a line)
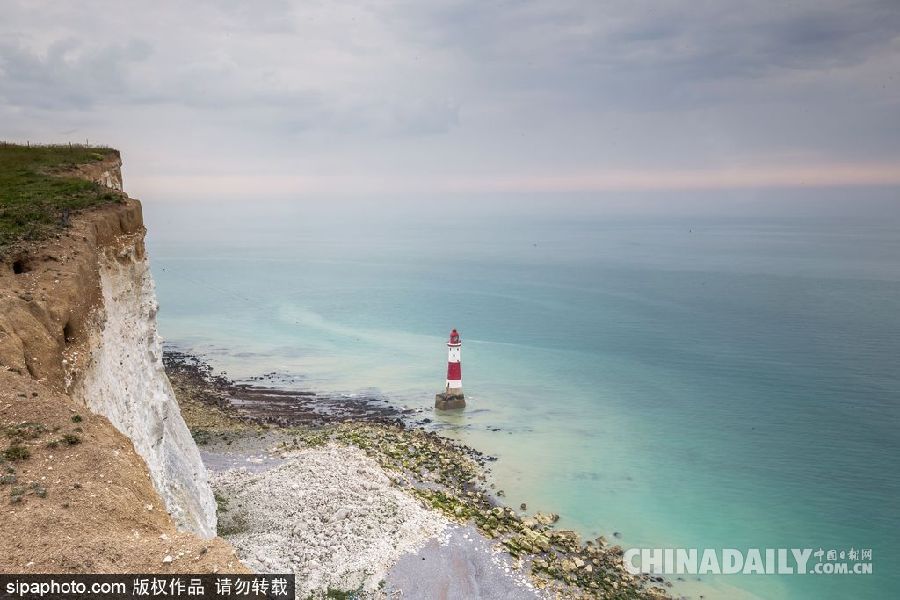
16, 452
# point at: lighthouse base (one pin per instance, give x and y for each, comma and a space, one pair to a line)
450, 400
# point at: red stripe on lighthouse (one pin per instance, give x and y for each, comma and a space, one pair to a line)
454, 371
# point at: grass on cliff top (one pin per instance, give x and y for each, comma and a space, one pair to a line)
35, 195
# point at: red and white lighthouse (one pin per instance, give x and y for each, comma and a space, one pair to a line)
454, 367
452, 396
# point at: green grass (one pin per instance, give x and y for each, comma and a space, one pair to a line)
337, 594
221, 502
70, 439
16, 452
25, 430
35, 197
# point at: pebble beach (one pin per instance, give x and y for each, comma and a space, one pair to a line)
375, 508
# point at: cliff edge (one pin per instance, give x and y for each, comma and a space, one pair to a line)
98, 467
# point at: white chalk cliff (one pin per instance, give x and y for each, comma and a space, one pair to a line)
124, 380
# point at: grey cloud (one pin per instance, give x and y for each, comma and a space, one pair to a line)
266, 16
68, 75
217, 58
479, 84
652, 54
425, 116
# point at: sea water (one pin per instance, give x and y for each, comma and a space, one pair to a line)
708, 378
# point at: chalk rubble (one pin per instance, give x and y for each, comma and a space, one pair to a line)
330, 515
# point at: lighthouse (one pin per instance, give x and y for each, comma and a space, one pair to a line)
452, 396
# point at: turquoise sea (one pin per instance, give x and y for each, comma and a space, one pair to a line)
722, 376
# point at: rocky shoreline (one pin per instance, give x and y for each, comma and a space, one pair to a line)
267, 405
265, 438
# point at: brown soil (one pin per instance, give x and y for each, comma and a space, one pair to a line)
87, 507
49, 291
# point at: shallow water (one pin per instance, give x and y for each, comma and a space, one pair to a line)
714, 382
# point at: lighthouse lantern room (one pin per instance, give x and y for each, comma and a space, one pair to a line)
452, 396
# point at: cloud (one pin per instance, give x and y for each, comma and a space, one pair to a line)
68, 74
479, 90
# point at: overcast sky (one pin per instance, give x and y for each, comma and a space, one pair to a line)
229, 98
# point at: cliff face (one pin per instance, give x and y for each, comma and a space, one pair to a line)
124, 380
78, 319
107, 173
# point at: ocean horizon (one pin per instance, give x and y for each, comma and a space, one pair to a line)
700, 379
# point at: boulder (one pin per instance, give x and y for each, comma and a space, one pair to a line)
546, 518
